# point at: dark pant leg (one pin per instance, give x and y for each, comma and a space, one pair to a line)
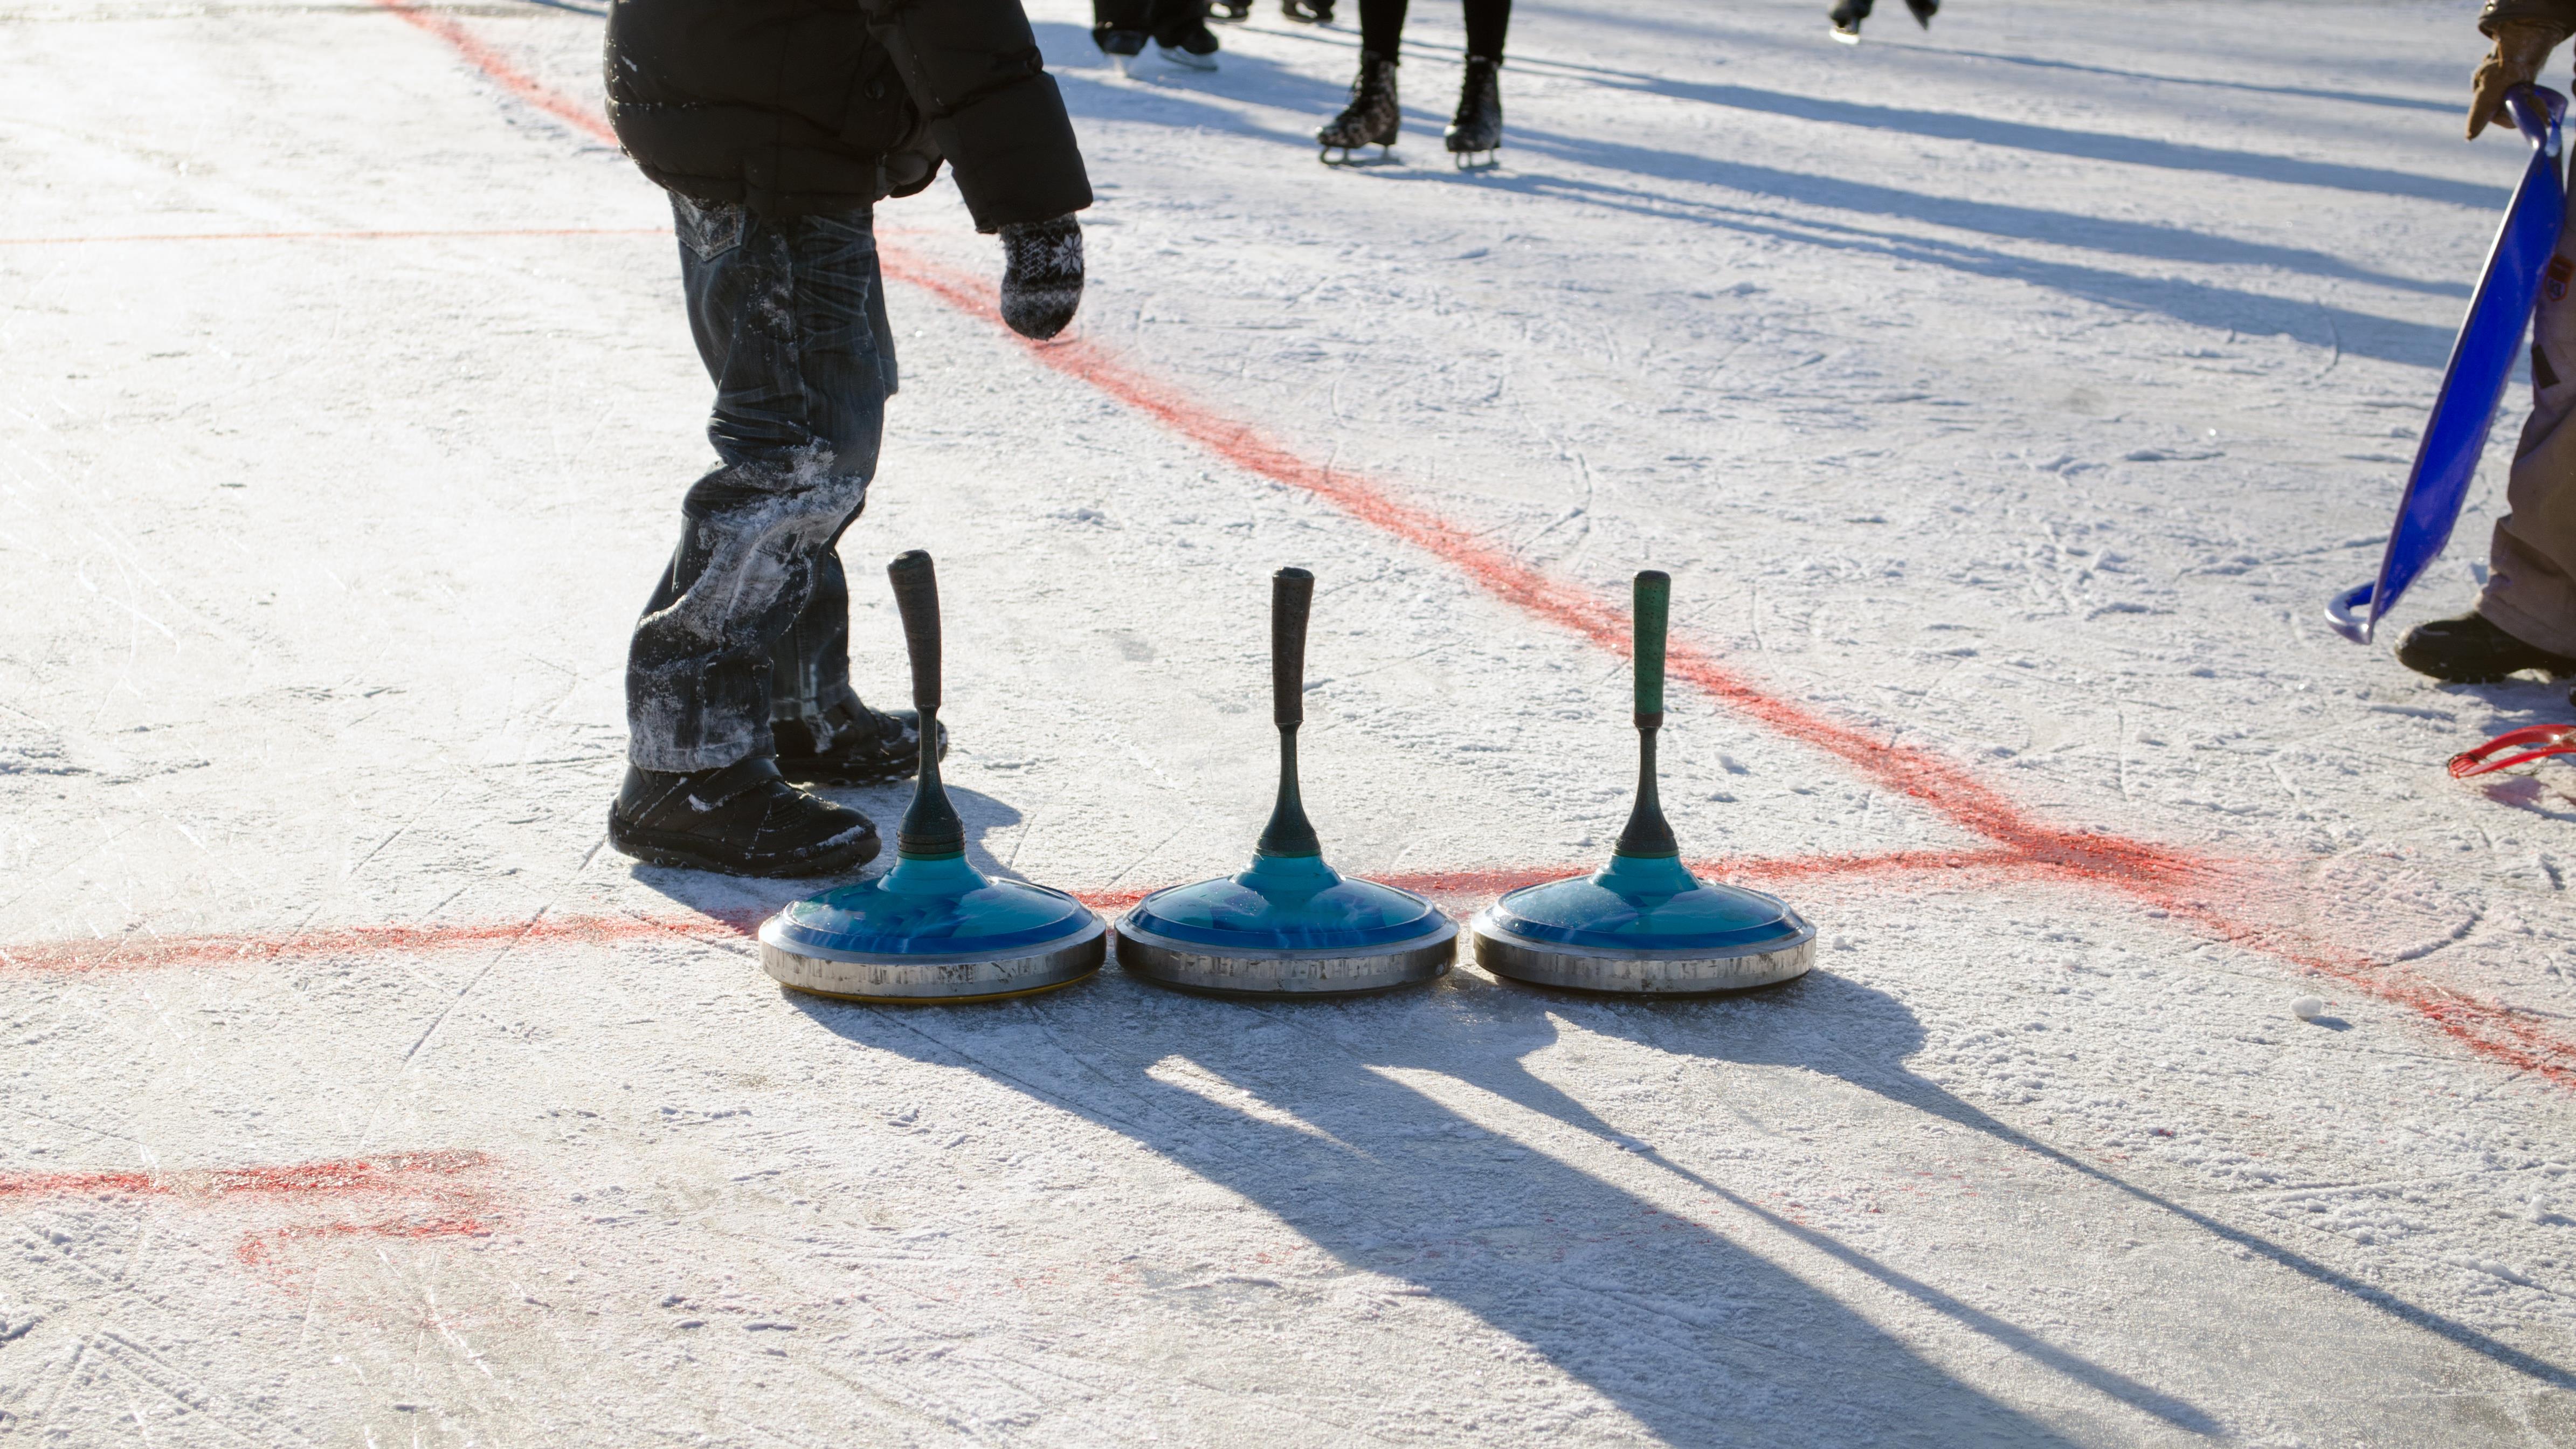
784, 317
1121, 15
1173, 21
1488, 23
1382, 26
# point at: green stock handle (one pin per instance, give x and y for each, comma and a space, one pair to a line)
1654, 595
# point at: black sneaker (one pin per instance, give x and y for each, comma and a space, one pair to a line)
740, 820
871, 748
2472, 650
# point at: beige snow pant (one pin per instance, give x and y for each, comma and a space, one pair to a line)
2531, 565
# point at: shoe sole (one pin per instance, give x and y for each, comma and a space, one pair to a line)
654, 847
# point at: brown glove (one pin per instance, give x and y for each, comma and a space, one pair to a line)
2521, 48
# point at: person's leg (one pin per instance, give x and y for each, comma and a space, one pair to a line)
1119, 27
2526, 616
1488, 23
780, 310
2531, 569
1382, 26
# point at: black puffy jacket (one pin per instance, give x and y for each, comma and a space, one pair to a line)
798, 106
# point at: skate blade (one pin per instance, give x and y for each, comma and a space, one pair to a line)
1477, 160
1183, 60
1385, 156
1847, 37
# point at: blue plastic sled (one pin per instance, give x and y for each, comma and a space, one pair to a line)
2481, 362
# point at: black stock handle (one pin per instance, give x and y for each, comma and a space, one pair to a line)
916, 596
1292, 597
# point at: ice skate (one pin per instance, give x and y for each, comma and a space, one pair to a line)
1308, 12
1924, 10
1229, 10
742, 819
1195, 52
1477, 130
865, 747
1846, 17
1371, 119
1121, 46
2471, 649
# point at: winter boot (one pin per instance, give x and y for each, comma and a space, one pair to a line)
1372, 118
1478, 128
1308, 12
862, 746
739, 820
2472, 650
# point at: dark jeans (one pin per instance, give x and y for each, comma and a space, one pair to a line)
749, 625
1488, 21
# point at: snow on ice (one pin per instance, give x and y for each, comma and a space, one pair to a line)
2004, 400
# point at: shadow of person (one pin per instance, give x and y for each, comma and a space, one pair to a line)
1842, 1029
1303, 1110
744, 902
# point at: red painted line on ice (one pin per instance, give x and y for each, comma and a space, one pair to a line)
251, 948
498, 69
417, 1195
401, 1173
2183, 883
237, 236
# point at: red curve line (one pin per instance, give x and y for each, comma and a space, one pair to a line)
252, 948
404, 1174
2179, 882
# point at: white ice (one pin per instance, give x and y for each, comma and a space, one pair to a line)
2015, 392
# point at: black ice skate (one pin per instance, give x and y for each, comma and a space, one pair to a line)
2472, 650
1308, 12
1477, 130
1371, 119
1121, 46
740, 820
868, 747
1194, 51
1848, 14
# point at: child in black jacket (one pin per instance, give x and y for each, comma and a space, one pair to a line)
777, 125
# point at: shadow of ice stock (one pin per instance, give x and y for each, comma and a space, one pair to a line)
1698, 1338
1390, 1181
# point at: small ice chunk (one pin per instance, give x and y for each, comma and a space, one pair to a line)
2308, 1008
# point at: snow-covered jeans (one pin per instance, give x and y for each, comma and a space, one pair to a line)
749, 626
2531, 563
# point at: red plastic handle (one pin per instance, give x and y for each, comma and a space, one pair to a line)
2490, 757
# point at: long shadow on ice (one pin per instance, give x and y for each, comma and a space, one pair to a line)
2198, 303
1701, 1340
1870, 1037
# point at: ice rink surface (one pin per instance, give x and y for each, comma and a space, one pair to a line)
2004, 400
